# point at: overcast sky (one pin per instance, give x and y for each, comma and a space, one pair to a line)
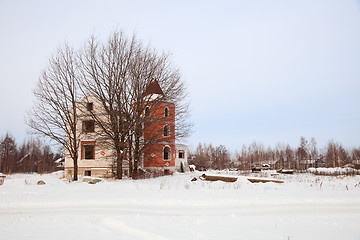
270, 71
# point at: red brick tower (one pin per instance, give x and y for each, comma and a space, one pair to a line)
159, 131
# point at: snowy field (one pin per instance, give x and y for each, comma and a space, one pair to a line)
305, 206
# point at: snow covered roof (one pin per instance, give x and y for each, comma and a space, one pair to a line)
60, 160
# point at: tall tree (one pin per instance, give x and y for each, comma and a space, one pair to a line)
313, 149
289, 156
117, 74
154, 82
331, 154
355, 156
54, 115
302, 152
343, 155
222, 157
202, 157
105, 70
8, 152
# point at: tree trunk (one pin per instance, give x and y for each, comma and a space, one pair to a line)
75, 159
130, 158
119, 161
136, 157
118, 165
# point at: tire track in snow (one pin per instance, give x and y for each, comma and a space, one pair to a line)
349, 207
131, 231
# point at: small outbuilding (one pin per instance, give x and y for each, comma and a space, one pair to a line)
181, 159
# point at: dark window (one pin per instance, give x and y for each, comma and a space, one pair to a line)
181, 154
166, 112
167, 153
88, 151
87, 173
88, 126
147, 111
166, 131
89, 106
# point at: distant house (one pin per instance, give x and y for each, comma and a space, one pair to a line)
307, 163
60, 163
311, 163
97, 156
320, 163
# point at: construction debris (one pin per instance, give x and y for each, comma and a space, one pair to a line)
40, 182
264, 180
218, 178
285, 171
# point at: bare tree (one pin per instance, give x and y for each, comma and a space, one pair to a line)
117, 74
202, 157
302, 152
289, 156
55, 112
343, 155
206, 156
105, 70
280, 155
244, 156
313, 152
155, 82
8, 154
113, 75
222, 157
355, 156
331, 154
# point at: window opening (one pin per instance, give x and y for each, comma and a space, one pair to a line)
147, 111
166, 112
89, 106
181, 154
166, 131
87, 173
88, 151
167, 153
88, 126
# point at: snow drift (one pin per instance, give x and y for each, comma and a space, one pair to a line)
305, 206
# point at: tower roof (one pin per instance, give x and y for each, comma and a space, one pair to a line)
153, 88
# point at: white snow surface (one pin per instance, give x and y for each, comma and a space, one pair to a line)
305, 206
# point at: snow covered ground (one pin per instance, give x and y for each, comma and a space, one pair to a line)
305, 206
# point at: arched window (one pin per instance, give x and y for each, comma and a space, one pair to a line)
166, 112
147, 111
166, 131
167, 153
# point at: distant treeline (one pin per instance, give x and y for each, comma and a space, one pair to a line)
31, 156
281, 156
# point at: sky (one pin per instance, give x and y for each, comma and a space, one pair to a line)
260, 70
